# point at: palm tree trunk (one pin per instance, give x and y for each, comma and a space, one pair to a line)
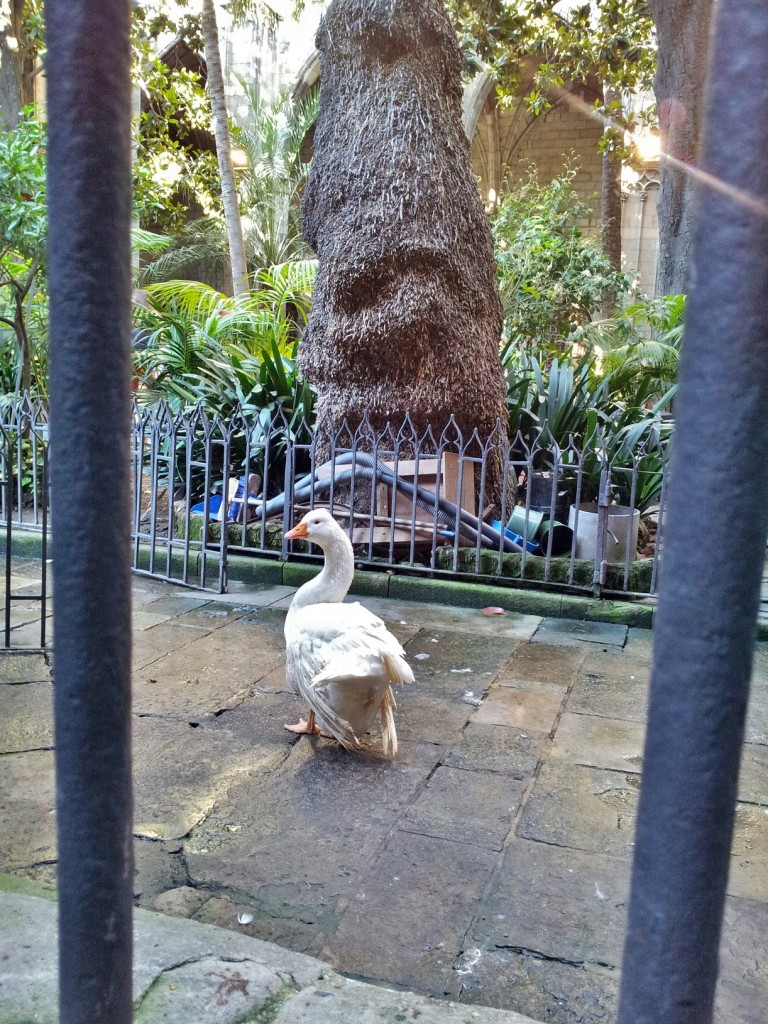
224, 149
406, 316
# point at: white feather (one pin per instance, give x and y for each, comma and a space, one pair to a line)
340, 658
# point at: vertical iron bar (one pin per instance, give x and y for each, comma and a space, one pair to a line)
603, 503
89, 194
44, 550
8, 540
708, 606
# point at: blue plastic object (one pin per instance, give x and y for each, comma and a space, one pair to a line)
531, 545
214, 507
214, 504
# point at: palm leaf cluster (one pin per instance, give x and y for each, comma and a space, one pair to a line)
270, 184
227, 354
612, 410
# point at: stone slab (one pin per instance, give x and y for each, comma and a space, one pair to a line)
527, 710
497, 748
158, 867
582, 808
753, 777
171, 604
214, 614
433, 884
251, 595
182, 769
298, 838
623, 666
740, 1004
448, 618
599, 742
338, 1001
556, 903
27, 810
539, 666
273, 682
450, 661
141, 620
28, 636
26, 717
640, 643
154, 644
552, 990
429, 718
301, 931
225, 992
601, 694
569, 632
23, 668
209, 673
748, 876
466, 806
757, 713
744, 945
163, 948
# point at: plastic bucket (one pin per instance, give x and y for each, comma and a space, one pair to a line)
525, 524
623, 523
562, 538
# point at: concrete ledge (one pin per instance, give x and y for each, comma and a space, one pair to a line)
473, 595
626, 613
187, 971
27, 544
372, 583
255, 570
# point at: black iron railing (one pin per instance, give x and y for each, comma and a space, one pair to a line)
515, 511
521, 510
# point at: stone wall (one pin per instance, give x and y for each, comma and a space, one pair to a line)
506, 143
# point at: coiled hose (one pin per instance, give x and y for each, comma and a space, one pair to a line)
362, 465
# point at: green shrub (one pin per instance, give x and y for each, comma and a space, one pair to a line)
552, 277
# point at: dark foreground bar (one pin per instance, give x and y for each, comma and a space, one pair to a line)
708, 608
89, 269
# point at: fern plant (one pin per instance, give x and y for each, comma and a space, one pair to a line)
234, 358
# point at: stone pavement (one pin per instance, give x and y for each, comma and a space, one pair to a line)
488, 865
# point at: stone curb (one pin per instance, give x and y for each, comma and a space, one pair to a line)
401, 586
184, 970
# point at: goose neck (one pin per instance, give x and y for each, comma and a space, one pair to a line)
332, 583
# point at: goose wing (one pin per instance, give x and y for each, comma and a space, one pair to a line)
341, 660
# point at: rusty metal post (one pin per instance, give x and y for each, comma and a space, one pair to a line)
713, 554
89, 194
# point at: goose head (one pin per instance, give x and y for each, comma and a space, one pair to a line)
317, 526
332, 584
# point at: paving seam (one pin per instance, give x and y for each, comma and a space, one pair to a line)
444, 751
511, 835
342, 906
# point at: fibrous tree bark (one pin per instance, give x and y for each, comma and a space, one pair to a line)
406, 316
682, 28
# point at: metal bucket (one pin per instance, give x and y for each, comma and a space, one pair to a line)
623, 523
540, 496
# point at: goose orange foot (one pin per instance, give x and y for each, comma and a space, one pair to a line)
307, 728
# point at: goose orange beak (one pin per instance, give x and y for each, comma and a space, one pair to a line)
297, 532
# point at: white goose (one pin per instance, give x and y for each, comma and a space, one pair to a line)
341, 659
